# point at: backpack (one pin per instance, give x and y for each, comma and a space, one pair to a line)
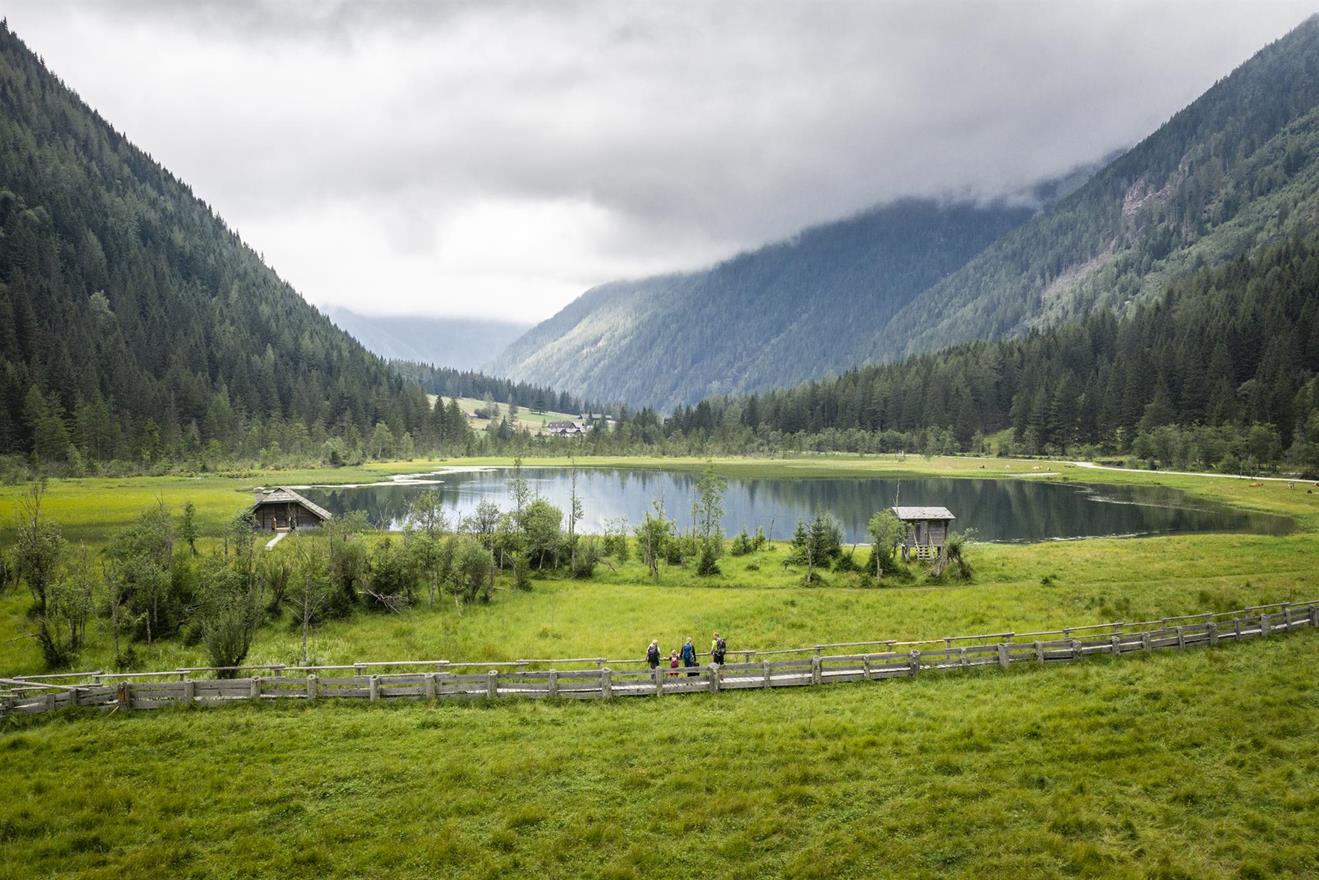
652, 654
720, 647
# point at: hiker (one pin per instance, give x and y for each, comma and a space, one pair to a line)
718, 648
689, 654
673, 663
653, 653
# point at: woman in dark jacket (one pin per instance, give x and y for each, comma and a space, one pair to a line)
689, 654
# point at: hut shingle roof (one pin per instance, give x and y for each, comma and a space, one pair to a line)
909, 514
283, 495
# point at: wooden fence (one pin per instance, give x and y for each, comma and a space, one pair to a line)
591, 677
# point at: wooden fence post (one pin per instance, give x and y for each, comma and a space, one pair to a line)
1117, 646
1077, 651
1314, 615
1039, 651
1145, 642
254, 687
313, 688
123, 696
428, 682
659, 681
373, 688
189, 691
714, 677
1212, 629
765, 671
554, 682
914, 662
492, 684
606, 682
74, 697
1264, 626
816, 677
865, 666
1003, 658
1181, 637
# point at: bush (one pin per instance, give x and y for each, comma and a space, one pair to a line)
521, 573
230, 611
542, 525
709, 560
471, 571
586, 558
392, 576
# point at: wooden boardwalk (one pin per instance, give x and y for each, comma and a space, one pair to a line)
600, 678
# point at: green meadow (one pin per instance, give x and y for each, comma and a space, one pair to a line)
1186, 765
1177, 765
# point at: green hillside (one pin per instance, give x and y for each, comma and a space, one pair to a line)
1235, 170
1221, 371
133, 322
778, 315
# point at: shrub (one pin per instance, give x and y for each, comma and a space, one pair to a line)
471, 571
542, 526
709, 560
230, 614
586, 558
886, 532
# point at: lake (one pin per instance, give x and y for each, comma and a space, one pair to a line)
998, 510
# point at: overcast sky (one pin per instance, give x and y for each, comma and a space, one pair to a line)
498, 158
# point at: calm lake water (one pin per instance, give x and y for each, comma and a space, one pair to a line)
998, 510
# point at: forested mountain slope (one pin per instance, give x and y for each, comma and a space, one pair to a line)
775, 316
1237, 169
132, 321
1228, 354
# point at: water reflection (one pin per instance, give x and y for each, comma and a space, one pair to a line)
999, 510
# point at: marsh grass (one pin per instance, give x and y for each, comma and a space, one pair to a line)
1199, 764
758, 601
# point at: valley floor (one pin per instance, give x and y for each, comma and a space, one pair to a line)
1196, 764
1202, 764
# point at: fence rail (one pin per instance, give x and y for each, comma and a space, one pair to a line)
596, 678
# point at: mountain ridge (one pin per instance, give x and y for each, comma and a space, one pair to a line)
1171, 193
734, 326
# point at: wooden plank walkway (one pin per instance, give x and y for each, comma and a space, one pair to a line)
599, 678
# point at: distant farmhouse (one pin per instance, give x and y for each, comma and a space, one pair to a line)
281, 510
565, 429
927, 531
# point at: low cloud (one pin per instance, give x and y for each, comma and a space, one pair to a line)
498, 158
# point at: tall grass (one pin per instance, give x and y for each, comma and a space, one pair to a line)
1199, 764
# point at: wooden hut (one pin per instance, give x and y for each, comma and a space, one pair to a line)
927, 531
285, 510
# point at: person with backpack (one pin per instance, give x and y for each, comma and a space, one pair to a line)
689, 655
718, 648
653, 654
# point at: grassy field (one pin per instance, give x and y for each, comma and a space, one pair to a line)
1196, 765
1180, 765
528, 419
756, 601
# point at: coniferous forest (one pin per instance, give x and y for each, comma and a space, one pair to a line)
134, 324
1220, 372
